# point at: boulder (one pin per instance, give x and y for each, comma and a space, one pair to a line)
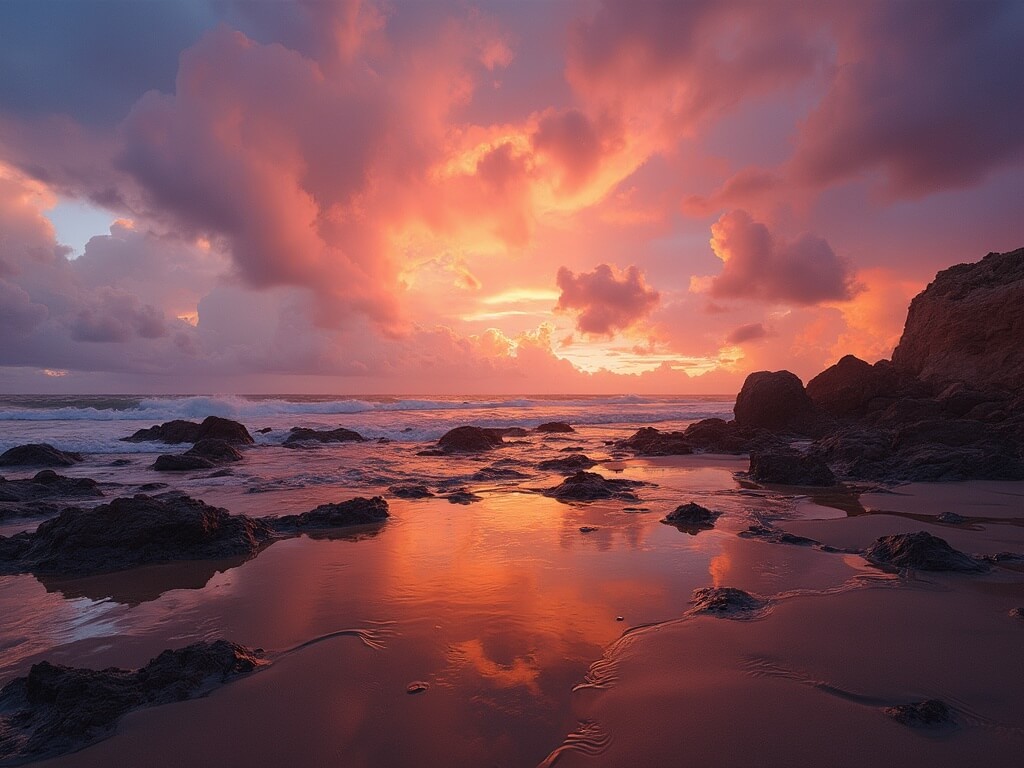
47, 484
590, 486
785, 466
692, 517
774, 400
469, 439
555, 427
571, 463
170, 462
339, 435
649, 441
850, 385
418, 491
180, 431
214, 449
357, 511
38, 455
719, 436
921, 551
56, 709
726, 602
967, 326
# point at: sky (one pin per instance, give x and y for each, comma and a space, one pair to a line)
457, 197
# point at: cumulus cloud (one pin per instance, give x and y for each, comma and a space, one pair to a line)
605, 300
572, 140
757, 265
18, 313
116, 317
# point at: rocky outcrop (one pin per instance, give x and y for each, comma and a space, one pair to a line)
727, 602
705, 436
776, 401
357, 511
967, 326
785, 466
205, 454
920, 551
44, 494
180, 431
849, 387
469, 439
340, 435
692, 518
930, 713
555, 427
649, 441
56, 709
38, 455
413, 491
172, 462
571, 463
590, 486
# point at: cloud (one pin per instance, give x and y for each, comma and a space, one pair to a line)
924, 97
745, 333
605, 300
117, 317
742, 189
758, 266
18, 313
572, 140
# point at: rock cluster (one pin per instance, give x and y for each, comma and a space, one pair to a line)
180, 431
340, 435
921, 551
38, 455
590, 486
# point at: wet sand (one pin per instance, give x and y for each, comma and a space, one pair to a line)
502, 606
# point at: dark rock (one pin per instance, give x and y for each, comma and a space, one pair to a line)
469, 439
590, 486
774, 400
648, 441
224, 429
922, 551
120, 462
510, 432
339, 435
180, 463
727, 602
410, 491
149, 487
47, 484
692, 517
1017, 613
588, 528
776, 536
789, 467
180, 431
497, 473
58, 709
555, 427
719, 436
966, 326
417, 686
850, 385
930, 713
463, 496
222, 473
951, 518
38, 455
214, 449
130, 532
357, 511
571, 463
264, 431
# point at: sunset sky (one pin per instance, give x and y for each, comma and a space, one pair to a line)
489, 197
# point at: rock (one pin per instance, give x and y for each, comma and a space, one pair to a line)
129, 532
648, 441
264, 431
1017, 613
469, 439
774, 400
357, 511
38, 455
150, 487
417, 686
692, 517
921, 551
214, 449
590, 486
951, 518
410, 491
967, 326
848, 386
180, 463
510, 432
727, 602
783, 466
47, 484
462, 496
497, 473
588, 528
776, 536
719, 436
339, 435
180, 431
555, 427
120, 462
58, 709
930, 713
571, 463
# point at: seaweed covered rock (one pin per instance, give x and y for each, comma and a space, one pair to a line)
357, 511
784, 466
340, 435
469, 439
38, 455
921, 551
590, 486
57, 709
130, 532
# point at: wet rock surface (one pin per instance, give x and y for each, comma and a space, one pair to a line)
778, 536
462, 496
705, 436
38, 455
784, 466
339, 435
57, 709
469, 439
692, 517
181, 431
556, 427
216, 450
357, 511
921, 551
410, 491
590, 486
930, 713
727, 602
44, 494
181, 463
571, 463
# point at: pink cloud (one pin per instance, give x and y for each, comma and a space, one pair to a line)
747, 333
606, 301
757, 265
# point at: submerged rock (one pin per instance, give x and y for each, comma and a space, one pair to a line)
169, 462
590, 486
469, 439
418, 491
555, 427
180, 431
357, 511
789, 467
56, 709
922, 551
777, 536
38, 455
930, 713
462, 496
497, 473
571, 463
339, 435
692, 517
727, 602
